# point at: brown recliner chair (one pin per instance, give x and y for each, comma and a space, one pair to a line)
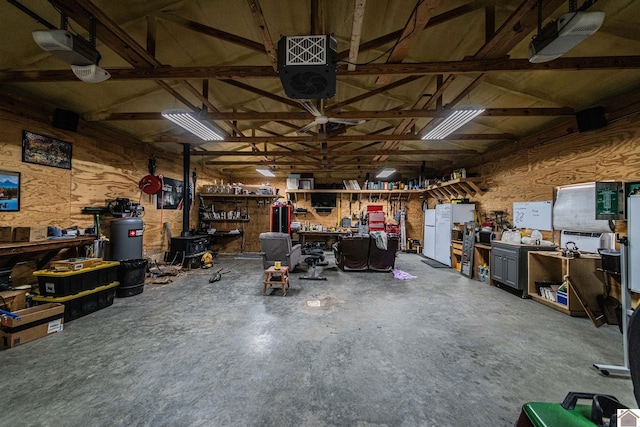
352, 252
277, 247
381, 259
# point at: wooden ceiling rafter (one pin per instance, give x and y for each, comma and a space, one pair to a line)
373, 92
263, 30
512, 31
422, 13
423, 103
212, 108
436, 20
260, 92
282, 152
364, 115
113, 36
341, 138
317, 21
356, 33
210, 31
272, 162
468, 66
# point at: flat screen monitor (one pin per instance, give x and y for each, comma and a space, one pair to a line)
323, 200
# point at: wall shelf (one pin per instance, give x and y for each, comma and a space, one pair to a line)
238, 197
225, 220
455, 189
391, 195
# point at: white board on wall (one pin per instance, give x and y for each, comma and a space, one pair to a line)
534, 215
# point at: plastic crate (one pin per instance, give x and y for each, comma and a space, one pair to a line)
63, 283
83, 303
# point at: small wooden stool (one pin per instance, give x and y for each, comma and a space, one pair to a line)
283, 280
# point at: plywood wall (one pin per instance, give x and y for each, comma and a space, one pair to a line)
102, 169
611, 153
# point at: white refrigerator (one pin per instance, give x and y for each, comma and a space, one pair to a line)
446, 216
429, 240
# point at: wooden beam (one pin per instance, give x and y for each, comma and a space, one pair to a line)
151, 35
231, 153
356, 33
211, 108
177, 95
424, 103
279, 162
338, 138
107, 31
371, 93
422, 12
416, 69
261, 92
212, 32
516, 27
214, 114
261, 25
436, 20
317, 23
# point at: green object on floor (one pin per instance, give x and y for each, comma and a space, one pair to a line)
542, 414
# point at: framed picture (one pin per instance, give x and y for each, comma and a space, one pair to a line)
9, 191
171, 196
46, 151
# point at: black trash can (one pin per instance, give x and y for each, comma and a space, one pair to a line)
131, 275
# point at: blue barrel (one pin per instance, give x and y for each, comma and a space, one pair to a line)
126, 238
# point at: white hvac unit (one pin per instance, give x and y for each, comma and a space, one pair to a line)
558, 37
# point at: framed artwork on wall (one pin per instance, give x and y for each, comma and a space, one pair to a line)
45, 150
9, 191
171, 195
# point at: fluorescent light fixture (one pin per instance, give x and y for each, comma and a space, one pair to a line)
458, 118
386, 173
265, 172
186, 120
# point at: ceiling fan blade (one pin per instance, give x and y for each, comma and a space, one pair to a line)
350, 122
310, 107
307, 127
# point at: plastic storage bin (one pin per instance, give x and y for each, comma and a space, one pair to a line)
82, 303
62, 283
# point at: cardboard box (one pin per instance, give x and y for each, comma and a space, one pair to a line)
74, 264
30, 234
32, 323
6, 234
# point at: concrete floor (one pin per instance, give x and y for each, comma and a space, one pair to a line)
438, 350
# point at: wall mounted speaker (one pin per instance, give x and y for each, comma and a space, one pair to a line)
65, 119
591, 119
307, 66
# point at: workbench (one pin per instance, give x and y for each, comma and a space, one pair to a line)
14, 252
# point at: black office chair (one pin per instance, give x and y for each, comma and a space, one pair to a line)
603, 407
314, 258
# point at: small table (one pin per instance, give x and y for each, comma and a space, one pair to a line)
281, 278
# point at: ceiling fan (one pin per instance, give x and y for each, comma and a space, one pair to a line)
321, 119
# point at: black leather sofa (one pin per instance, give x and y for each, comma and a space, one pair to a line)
359, 252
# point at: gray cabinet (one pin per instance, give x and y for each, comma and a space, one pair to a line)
509, 264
